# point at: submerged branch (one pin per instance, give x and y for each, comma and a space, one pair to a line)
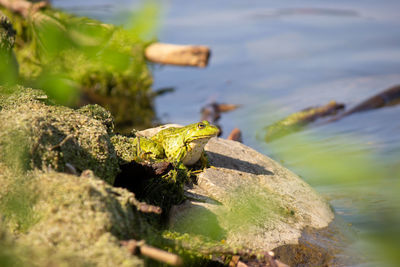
297, 121
386, 98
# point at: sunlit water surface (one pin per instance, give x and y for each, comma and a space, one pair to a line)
275, 58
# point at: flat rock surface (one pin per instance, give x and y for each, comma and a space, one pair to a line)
250, 200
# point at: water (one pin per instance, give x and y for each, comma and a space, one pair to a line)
275, 58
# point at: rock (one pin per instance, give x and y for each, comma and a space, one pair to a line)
46, 136
248, 201
73, 221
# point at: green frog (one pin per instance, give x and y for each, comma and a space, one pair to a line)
185, 144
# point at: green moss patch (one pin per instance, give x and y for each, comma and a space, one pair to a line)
54, 137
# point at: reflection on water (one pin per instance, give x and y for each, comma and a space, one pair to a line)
275, 58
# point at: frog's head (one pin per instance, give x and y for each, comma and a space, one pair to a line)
201, 130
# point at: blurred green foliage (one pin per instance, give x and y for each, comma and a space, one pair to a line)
77, 60
8, 66
371, 185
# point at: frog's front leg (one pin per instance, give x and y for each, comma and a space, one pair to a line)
205, 163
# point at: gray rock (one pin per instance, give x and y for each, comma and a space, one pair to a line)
258, 204
248, 201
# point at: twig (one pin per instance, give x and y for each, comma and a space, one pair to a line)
143, 206
147, 208
63, 141
139, 247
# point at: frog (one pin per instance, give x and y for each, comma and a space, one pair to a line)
186, 144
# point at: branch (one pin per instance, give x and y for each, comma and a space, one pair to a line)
183, 55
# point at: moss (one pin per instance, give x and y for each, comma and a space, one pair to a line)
14, 96
196, 249
55, 137
13, 253
99, 113
80, 221
166, 190
17, 203
85, 216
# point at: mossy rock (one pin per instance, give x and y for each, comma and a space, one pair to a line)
55, 137
14, 253
78, 221
85, 216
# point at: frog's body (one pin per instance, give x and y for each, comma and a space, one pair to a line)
185, 144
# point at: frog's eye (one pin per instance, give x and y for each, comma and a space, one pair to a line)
201, 125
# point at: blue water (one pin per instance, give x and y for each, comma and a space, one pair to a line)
278, 57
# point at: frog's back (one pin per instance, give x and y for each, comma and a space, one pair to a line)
166, 134
172, 140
